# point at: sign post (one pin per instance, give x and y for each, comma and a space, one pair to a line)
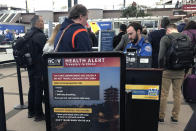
2, 111
21, 106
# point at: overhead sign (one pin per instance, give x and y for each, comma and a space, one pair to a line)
189, 7
179, 13
17, 28
105, 25
84, 92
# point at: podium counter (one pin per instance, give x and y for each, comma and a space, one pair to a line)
143, 108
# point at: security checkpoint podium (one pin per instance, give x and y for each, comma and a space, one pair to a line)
143, 107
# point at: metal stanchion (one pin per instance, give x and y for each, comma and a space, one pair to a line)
2, 111
21, 106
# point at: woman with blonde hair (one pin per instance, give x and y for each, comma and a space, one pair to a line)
49, 46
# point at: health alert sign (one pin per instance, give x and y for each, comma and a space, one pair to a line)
147, 92
84, 92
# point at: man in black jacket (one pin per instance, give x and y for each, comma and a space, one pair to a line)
155, 37
35, 71
117, 38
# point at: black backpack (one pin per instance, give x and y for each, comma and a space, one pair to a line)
180, 55
22, 50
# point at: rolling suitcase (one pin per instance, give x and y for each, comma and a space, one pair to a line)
189, 88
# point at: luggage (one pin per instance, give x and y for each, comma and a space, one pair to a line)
189, 88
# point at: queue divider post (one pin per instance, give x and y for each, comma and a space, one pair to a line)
2, 111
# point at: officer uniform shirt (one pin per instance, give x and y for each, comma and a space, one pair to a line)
143, 48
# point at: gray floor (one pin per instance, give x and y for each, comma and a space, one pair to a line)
17, 120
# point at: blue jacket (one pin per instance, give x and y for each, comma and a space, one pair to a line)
180, 27
74, 39
143, 48
9, 37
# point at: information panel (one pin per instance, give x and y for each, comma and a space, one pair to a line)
84, 93
106, 40
147, 92
17, 28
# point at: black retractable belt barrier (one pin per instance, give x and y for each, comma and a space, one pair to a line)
2, 111
21, 106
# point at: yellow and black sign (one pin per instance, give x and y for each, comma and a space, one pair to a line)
147, 92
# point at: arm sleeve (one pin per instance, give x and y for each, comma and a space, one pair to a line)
149, 38
189, 34
120, 45
114, 41
40, 40
162, 50
148, 50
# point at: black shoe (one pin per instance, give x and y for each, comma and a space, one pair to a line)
39, 118
173, 120
161, 120
31, 115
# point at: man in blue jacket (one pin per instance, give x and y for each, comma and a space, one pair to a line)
9, 36
75, 38
181, 26
137, 41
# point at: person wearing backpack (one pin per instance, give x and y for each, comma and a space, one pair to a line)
35, 71
175, 55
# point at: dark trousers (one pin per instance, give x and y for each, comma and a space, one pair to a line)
35, 73
155, 60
